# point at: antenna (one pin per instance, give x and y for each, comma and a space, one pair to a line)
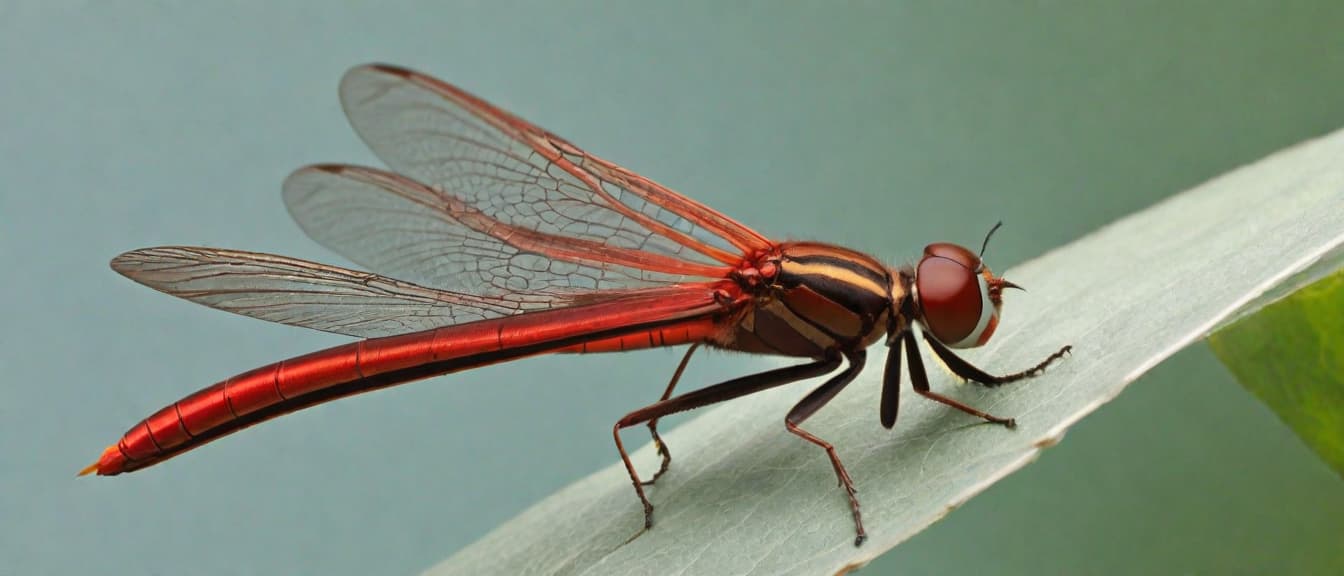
985, 244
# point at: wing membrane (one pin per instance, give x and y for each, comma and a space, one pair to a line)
490, 216
516, 174
390, 223
301, 293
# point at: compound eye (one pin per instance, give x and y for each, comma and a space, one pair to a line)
954, 253
954, 297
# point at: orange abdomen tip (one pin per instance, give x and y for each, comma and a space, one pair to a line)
107, 464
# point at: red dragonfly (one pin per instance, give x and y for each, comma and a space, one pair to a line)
511, 242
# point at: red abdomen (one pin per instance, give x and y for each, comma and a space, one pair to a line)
663, 317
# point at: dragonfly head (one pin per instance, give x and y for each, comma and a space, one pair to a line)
958, 296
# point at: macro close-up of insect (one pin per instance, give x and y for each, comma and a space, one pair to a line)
492, 239
876, 287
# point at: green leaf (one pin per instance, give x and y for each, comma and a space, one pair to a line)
1291, 356
743, 496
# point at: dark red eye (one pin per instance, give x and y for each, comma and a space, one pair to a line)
954, 253
954, 296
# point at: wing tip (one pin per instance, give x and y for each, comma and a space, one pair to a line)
122, 263
389, 68
333, 168
131, 262
380, 68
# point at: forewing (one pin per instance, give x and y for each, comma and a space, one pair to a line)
523, 176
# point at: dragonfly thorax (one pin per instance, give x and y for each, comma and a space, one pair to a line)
820, 297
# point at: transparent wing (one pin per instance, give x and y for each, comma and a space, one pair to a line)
511, 172
302, 293
390, 223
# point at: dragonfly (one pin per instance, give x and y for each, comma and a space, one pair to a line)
491, 239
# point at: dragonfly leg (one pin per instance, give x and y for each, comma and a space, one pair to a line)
721, 392
808, 406
967, 371
653, 424
891, 387
919, 380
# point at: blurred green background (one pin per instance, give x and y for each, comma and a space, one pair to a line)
883, 126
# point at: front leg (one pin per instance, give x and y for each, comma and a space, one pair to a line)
966, 371
919, 380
